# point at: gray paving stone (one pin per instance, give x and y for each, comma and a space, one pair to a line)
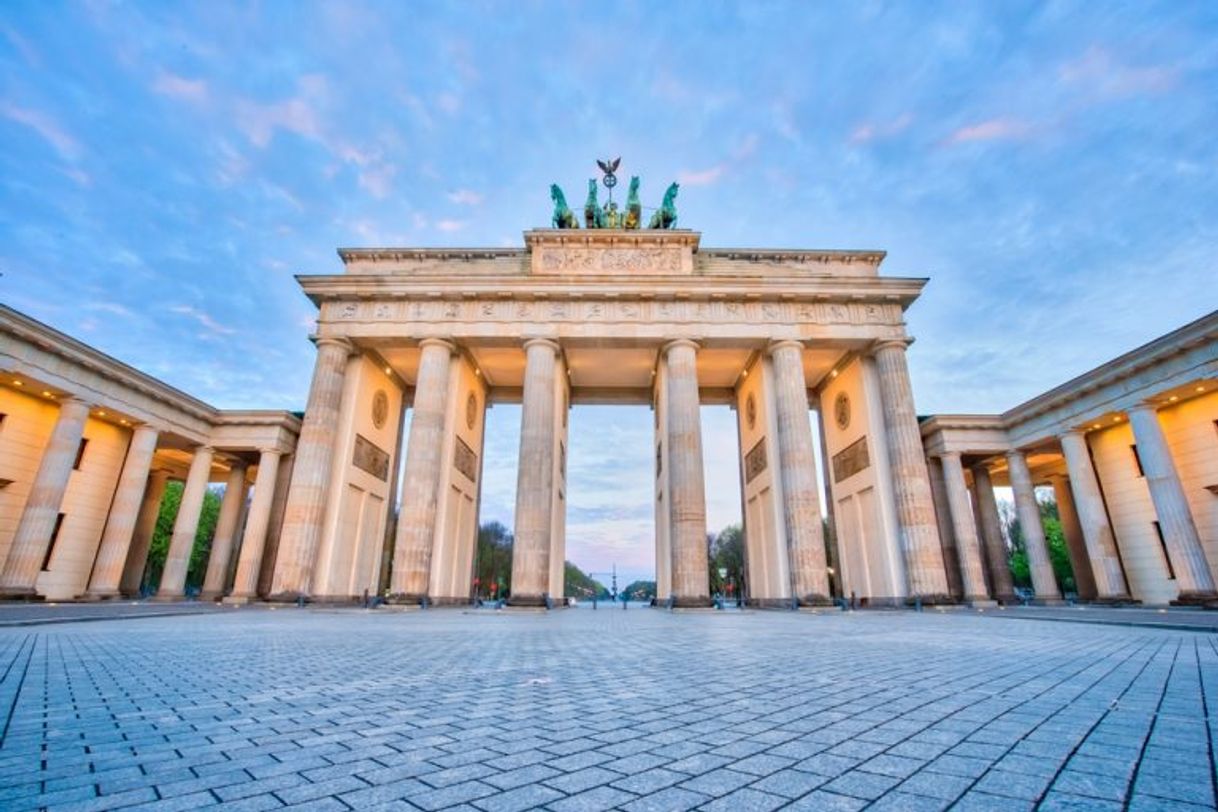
745, 800
593, 800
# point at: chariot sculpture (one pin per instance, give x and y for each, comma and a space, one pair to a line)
608, 215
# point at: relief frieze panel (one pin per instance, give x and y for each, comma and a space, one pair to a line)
614, 310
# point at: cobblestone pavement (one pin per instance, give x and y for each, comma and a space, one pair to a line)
581, 710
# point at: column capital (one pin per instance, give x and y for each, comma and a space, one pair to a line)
680, 342
783, 343
269, 450
1143, 406
890, 343
334, 341
75, 401
947, 455
438, 342
541, 341
1071, 432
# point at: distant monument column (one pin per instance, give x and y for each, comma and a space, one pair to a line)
1171, 506
124, 513
535, 476
311, 477
686, 486
33, 535
910, 479
185, 526
1044, 583
797, 463
412, 548
1097, 532
990, 525
253, 543
968, 545
226, 531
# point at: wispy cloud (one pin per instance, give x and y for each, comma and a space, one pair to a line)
994, 129
181, 88
210, 324
465, 197
870, 131
450, 226
1101, 72
46, 127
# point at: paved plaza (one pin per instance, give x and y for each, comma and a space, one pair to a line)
578, 710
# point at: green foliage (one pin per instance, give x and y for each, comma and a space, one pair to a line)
640, 590
161, 537
726, 551
1055, 538
493, 560
578, 584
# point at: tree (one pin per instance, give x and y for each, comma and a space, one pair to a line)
578, 584
726, 552
493, 560
1055, 539
158, 551
640, 590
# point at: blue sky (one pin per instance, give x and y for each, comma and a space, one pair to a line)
167, 167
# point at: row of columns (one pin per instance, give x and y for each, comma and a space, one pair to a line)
123, 549
1097, 567
687, 500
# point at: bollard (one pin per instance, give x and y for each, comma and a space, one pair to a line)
423, 602
917, 603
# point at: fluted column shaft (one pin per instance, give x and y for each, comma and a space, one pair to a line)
412, 547
141, 537
124, 513
1084, 578
1097, 532
33, 534
1044, 583
990, 525
968, 544
535, 476
226, 531
274, 528
253, 542
1176, 523
910, 480
797, 464
686, 486
947, 535
310, 489
185, 526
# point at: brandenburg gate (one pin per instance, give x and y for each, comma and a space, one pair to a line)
611, 316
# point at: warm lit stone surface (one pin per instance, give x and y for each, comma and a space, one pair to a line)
583, 710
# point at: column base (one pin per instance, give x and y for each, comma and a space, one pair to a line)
405, 599
1047, 602
532, 601
288, 597
21, 594
1008, 600
159, 598
238, 600
98, 597
697, 602
1113, 600
938, 599
210, 596
980, 602
1205, 600
816, 600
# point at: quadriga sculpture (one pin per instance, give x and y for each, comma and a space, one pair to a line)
634, 209
563, 216
666, 215
594, 215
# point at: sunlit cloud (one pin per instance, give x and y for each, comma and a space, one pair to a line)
45, 126
465, 197
181, 88
210, 324
994, 129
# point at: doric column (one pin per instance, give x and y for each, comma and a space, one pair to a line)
1080, 564
535, 476
968, 545
274, 528
1097, 532
141, 538
910, 481
686, 487
33, 534
797, 464
990, 526
185, 526
947, 535
226, 531
1044, 583
1176, 523
253, 542
311, 478
417, 523
124, 513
